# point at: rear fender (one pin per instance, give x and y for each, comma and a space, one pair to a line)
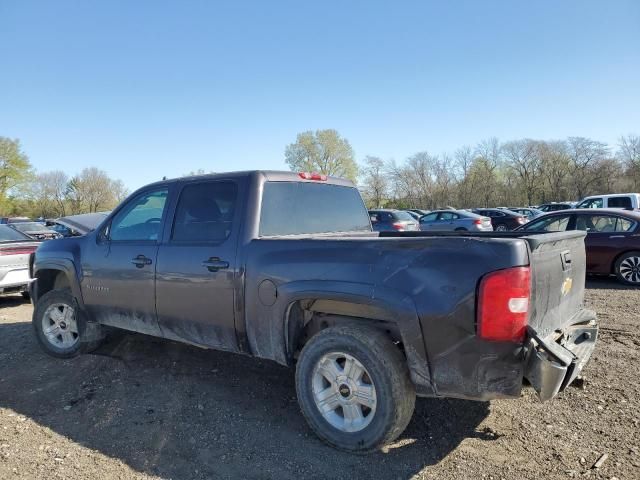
270, 337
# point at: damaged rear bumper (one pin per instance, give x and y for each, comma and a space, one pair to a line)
553, 362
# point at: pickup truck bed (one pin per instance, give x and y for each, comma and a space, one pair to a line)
369, 320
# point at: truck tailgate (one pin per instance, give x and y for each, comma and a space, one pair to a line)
561, 333
558, 268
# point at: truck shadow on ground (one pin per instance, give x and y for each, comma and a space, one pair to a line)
177, 411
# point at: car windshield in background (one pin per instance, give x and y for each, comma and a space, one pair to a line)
8, 234
311, 208
29, 227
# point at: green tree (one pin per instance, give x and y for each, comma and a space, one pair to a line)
322, 151
15, 168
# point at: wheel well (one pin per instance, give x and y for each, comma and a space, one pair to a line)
49, 280
305, 319
617, 257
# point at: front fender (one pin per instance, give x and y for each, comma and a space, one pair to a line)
64, 265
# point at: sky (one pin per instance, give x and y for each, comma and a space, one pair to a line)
148, 89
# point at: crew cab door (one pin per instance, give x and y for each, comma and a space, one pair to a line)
118, 285
196, 273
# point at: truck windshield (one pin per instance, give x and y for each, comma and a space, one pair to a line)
294, 208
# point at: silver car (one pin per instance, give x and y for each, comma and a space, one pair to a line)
15, 248
455, 220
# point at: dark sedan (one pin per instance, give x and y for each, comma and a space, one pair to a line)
387, 220
502, 220
612, 243
35, 230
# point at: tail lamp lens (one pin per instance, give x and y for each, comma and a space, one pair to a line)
503, 305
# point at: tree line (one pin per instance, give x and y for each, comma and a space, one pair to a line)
491, 173
25, 192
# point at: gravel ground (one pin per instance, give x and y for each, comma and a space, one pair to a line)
147, 408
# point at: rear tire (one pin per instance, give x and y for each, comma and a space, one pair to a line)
360, 380
61, 327
627, 268
501, 228
461, 229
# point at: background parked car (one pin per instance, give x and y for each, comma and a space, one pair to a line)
413, 214
75, 225
552, 207
455, 220
629, 201
528, 212
387, 220
502, 220
35, 230
419, 211
612, 243
7, 220
15, 248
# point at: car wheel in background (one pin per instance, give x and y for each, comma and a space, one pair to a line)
627, 268
60, 326
501, 228
354, 388
461, 229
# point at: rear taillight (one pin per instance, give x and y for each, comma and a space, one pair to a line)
17, 250
313, 176
477, 222
398, 226
521, 220
503, 305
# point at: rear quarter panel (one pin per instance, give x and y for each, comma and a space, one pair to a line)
426, 285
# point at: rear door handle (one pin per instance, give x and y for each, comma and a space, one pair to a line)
140, 261
616, 236
214, 264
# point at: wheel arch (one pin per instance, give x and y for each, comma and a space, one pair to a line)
55, 274
620, 255
348, 303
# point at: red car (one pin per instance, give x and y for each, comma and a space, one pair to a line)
612, 242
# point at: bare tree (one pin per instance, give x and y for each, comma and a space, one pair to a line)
375, 184
584, 155
629, 154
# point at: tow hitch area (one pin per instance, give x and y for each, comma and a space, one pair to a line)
555, 361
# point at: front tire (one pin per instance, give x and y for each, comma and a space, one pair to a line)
354, 388
61, 327
627, 268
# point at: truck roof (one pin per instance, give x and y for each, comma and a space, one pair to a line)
268, 175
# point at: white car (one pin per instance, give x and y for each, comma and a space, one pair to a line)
628, 201
15, 248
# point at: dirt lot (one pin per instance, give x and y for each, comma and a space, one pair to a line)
147, 408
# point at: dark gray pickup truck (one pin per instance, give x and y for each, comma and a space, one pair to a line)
284, 266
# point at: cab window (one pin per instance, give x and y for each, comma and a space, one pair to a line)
620, 202
141, 218
591, 203
555, 223
429, 218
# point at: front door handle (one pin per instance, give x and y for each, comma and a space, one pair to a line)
140, 261
616, 236
214, 264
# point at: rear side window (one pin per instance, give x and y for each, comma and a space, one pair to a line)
624, 225
448, 216
403, 216
429, 218
294, 208
8, 234
596, 223
205, 212
620, 202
